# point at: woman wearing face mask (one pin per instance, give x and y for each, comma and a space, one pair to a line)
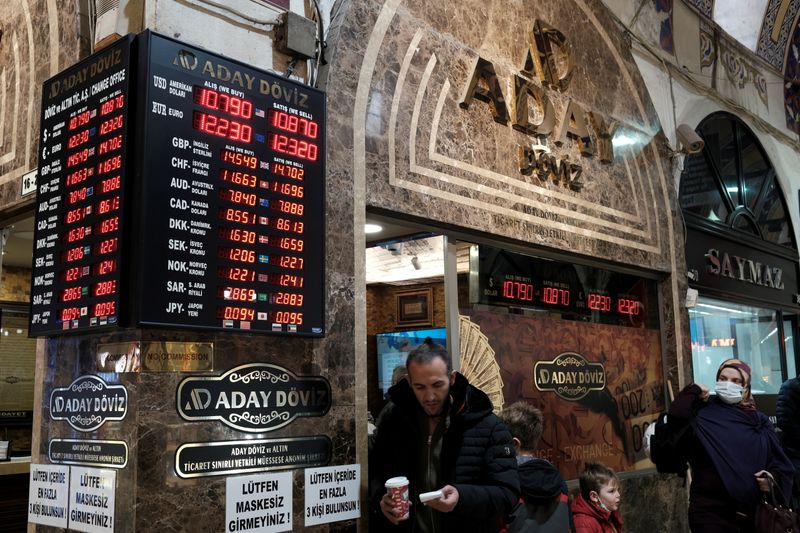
730, 447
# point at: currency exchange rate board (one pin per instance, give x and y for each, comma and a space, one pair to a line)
77, 257
233, 192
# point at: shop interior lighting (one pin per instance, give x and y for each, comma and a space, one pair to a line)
720, 308
770, 334
372, 228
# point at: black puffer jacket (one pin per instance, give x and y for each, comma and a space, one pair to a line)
544, 506
787, 411
477, 459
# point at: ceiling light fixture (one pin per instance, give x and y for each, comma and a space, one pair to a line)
372, 228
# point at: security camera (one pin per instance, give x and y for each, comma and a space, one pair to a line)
691, 143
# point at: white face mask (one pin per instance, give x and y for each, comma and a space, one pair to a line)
729, 392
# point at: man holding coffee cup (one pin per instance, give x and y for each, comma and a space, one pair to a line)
438, 433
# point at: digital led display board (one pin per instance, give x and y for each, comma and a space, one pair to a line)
233, 182
578, 292
77, 256
179, 188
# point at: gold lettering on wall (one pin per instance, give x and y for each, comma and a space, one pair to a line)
549, 61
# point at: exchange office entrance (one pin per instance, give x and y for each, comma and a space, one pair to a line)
576, 338
742, 259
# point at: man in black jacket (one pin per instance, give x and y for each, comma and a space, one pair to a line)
787, 411
440, 433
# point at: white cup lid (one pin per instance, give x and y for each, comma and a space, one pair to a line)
396, 482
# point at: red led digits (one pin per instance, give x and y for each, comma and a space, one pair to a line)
77, 214
285, 280
78, 139
238, 294
288, 171
236, 313
237, 235
109, 145
110, 164
287, 298
105, 247
292, 208
112, 104
226, 103
73, 254
287, 189
222, 127
237, 254
107, 205
629, 307
70, 313
598, 302
78, 157
71, 294
555, 296
76, 234
238, 197
108, 185
287, 261
291, 146
286, 317
293, 123
104, 309
72, 274
110, 125
236, 274
236, 158
238, 178
284, 224
77, 195
78, 176
106, 266
237, 215
106, 226
104, 288
517, 291
79, 120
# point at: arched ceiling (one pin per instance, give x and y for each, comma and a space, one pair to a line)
767, 27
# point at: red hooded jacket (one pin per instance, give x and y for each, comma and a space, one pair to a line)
591, 519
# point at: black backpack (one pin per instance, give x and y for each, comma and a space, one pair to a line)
668, 448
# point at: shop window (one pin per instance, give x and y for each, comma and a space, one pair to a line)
731, 183
724, 330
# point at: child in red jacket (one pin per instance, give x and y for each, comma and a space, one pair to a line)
596, 509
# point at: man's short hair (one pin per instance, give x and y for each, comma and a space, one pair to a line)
524, 421
427, 352
594, 476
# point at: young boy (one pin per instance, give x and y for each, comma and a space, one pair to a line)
596, 509
543, 506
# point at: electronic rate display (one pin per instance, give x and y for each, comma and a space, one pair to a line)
577, 292
233, 181
77, 259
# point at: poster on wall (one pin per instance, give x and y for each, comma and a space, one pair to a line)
598, 385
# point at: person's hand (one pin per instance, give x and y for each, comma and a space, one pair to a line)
447, 502
703, 392
392, 510
763, 480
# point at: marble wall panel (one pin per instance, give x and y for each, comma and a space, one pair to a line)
397, 73
39, 39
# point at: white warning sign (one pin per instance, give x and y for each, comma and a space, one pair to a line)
332, 494
261, 502
91, 499
47, 498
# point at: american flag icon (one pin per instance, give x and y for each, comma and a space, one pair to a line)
259, 112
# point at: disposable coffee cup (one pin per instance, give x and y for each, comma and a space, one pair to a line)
397, 488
